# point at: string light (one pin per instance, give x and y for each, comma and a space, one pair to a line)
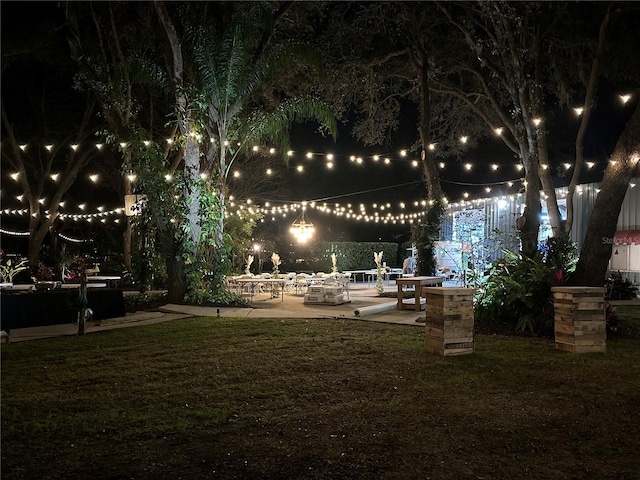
625, 98
578, 110
331, 157
464, 139
356, 159
13, 233
537, 121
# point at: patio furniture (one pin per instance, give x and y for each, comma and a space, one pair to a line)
417, 283
111, 280
257, 284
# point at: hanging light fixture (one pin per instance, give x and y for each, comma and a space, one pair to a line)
301, 229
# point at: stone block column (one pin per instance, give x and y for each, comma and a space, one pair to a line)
579, 319
449, 320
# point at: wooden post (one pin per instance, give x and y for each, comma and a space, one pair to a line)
579, 319
449, 320
83, 303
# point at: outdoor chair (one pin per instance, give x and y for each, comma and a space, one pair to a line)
301, 283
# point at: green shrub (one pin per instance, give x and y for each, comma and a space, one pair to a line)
351, 255
517, 289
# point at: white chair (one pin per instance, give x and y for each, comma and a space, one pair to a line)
232, 285
301, 283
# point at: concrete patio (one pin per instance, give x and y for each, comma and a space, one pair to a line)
262, 306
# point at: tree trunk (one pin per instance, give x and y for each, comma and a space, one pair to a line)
128, 231
428, 231
192, 189
33, 249
586, 115
555, 217
529, 223
176, 279
592, 267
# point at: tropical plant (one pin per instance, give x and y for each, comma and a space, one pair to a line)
517, 288
221, 66
8, 269
619, 288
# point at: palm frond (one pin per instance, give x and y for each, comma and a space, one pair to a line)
273, 127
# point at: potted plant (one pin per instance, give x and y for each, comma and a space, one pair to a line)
9, 269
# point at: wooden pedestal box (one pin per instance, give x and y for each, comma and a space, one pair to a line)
579, 319
449, 320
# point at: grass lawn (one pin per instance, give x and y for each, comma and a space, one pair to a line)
321, 399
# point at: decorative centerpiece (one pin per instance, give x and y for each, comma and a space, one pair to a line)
334, 263
249, 262
377, 257
275, 259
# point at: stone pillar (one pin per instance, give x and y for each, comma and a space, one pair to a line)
449, 320
579, 319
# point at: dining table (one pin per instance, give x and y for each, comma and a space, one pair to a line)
257, 281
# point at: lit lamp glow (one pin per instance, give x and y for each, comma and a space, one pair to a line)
302, 230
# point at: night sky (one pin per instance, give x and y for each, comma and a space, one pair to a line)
371, 182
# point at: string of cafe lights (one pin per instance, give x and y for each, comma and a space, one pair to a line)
381, 214
330, 158
380, 210
401, 157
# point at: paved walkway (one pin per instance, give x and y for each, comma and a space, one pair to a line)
262, 306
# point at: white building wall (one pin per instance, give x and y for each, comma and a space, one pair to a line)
501, 214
